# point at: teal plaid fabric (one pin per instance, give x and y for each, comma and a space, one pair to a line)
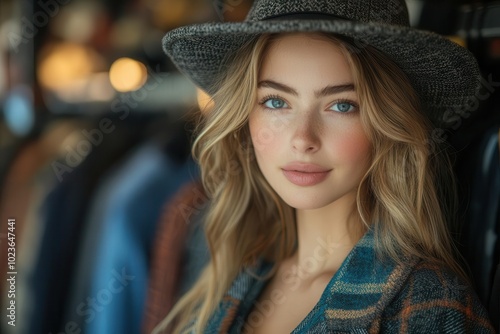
368, 295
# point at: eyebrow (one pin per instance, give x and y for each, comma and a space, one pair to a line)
328, 90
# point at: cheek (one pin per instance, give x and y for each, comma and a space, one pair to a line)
353, 147
264, 136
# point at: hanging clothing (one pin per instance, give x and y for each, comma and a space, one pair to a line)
113, 268
63, 215
479, 244
18, 180
28, 180
179, 252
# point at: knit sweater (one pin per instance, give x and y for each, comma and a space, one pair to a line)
366, 295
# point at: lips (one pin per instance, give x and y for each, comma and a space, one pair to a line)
305, 174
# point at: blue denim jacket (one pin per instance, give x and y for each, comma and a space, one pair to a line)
368, 295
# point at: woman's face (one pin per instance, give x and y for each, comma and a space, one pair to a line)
305, 126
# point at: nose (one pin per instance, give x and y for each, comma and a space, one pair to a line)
306, 135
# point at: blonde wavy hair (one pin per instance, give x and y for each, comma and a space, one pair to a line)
399, 197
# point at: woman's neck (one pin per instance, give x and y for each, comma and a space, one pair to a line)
326, 236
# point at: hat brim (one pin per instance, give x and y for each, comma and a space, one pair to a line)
445, 75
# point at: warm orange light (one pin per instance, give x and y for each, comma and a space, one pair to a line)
168, 14
127, 74
205, 102
458, 40
63, 64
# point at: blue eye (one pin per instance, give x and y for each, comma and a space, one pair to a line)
274, 103
343, 107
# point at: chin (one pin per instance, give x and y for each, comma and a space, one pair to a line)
300, 203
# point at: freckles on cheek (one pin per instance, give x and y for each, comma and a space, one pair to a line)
262, 136
264, 146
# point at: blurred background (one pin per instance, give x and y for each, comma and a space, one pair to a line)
95, 135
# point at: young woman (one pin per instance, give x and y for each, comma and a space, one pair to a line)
327, 191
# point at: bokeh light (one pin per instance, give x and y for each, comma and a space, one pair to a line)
127, 74
64, 63
18, 110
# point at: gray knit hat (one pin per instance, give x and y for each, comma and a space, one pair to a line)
445, 75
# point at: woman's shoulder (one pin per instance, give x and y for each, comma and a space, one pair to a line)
436, 300
437, 280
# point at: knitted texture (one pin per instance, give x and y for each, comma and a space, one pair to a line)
389, 11
445, 75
